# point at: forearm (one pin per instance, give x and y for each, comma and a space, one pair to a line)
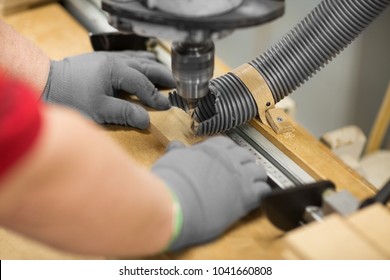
78, 191
20, 58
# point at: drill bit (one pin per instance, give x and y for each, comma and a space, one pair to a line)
187, 105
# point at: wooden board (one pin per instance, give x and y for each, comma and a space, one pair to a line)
317, 159
364, 236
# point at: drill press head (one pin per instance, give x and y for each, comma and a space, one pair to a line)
191, 26
192, 68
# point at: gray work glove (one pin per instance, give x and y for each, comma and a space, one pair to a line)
90, 83
215, 183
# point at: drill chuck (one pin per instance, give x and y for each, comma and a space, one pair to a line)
193, 68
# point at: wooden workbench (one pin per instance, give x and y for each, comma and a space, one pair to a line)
59, 35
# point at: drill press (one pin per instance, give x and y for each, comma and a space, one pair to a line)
191, 26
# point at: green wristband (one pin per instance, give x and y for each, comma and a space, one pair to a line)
178, 219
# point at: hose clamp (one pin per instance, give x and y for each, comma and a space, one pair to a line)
261, 93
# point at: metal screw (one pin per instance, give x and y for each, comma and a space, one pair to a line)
313, 213
279, 119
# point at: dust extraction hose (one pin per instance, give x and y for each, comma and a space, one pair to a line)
315, 41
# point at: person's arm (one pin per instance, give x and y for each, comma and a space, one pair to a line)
64, 182
77, 190
21, 58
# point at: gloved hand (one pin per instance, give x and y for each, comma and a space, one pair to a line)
215, 183
90, 83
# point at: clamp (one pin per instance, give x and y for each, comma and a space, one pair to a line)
293, 207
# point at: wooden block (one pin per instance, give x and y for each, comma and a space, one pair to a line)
348, 140
374, 224
173, 124
375, 166
279, 120
332, 239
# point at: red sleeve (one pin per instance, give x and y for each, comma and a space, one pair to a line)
20, 122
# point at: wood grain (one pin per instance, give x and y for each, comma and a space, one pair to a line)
364, 235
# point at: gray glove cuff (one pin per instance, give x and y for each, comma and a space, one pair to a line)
59, 84
188, 234
46, 90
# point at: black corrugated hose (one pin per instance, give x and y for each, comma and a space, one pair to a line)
311, 44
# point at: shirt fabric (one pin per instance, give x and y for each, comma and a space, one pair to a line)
20, 122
